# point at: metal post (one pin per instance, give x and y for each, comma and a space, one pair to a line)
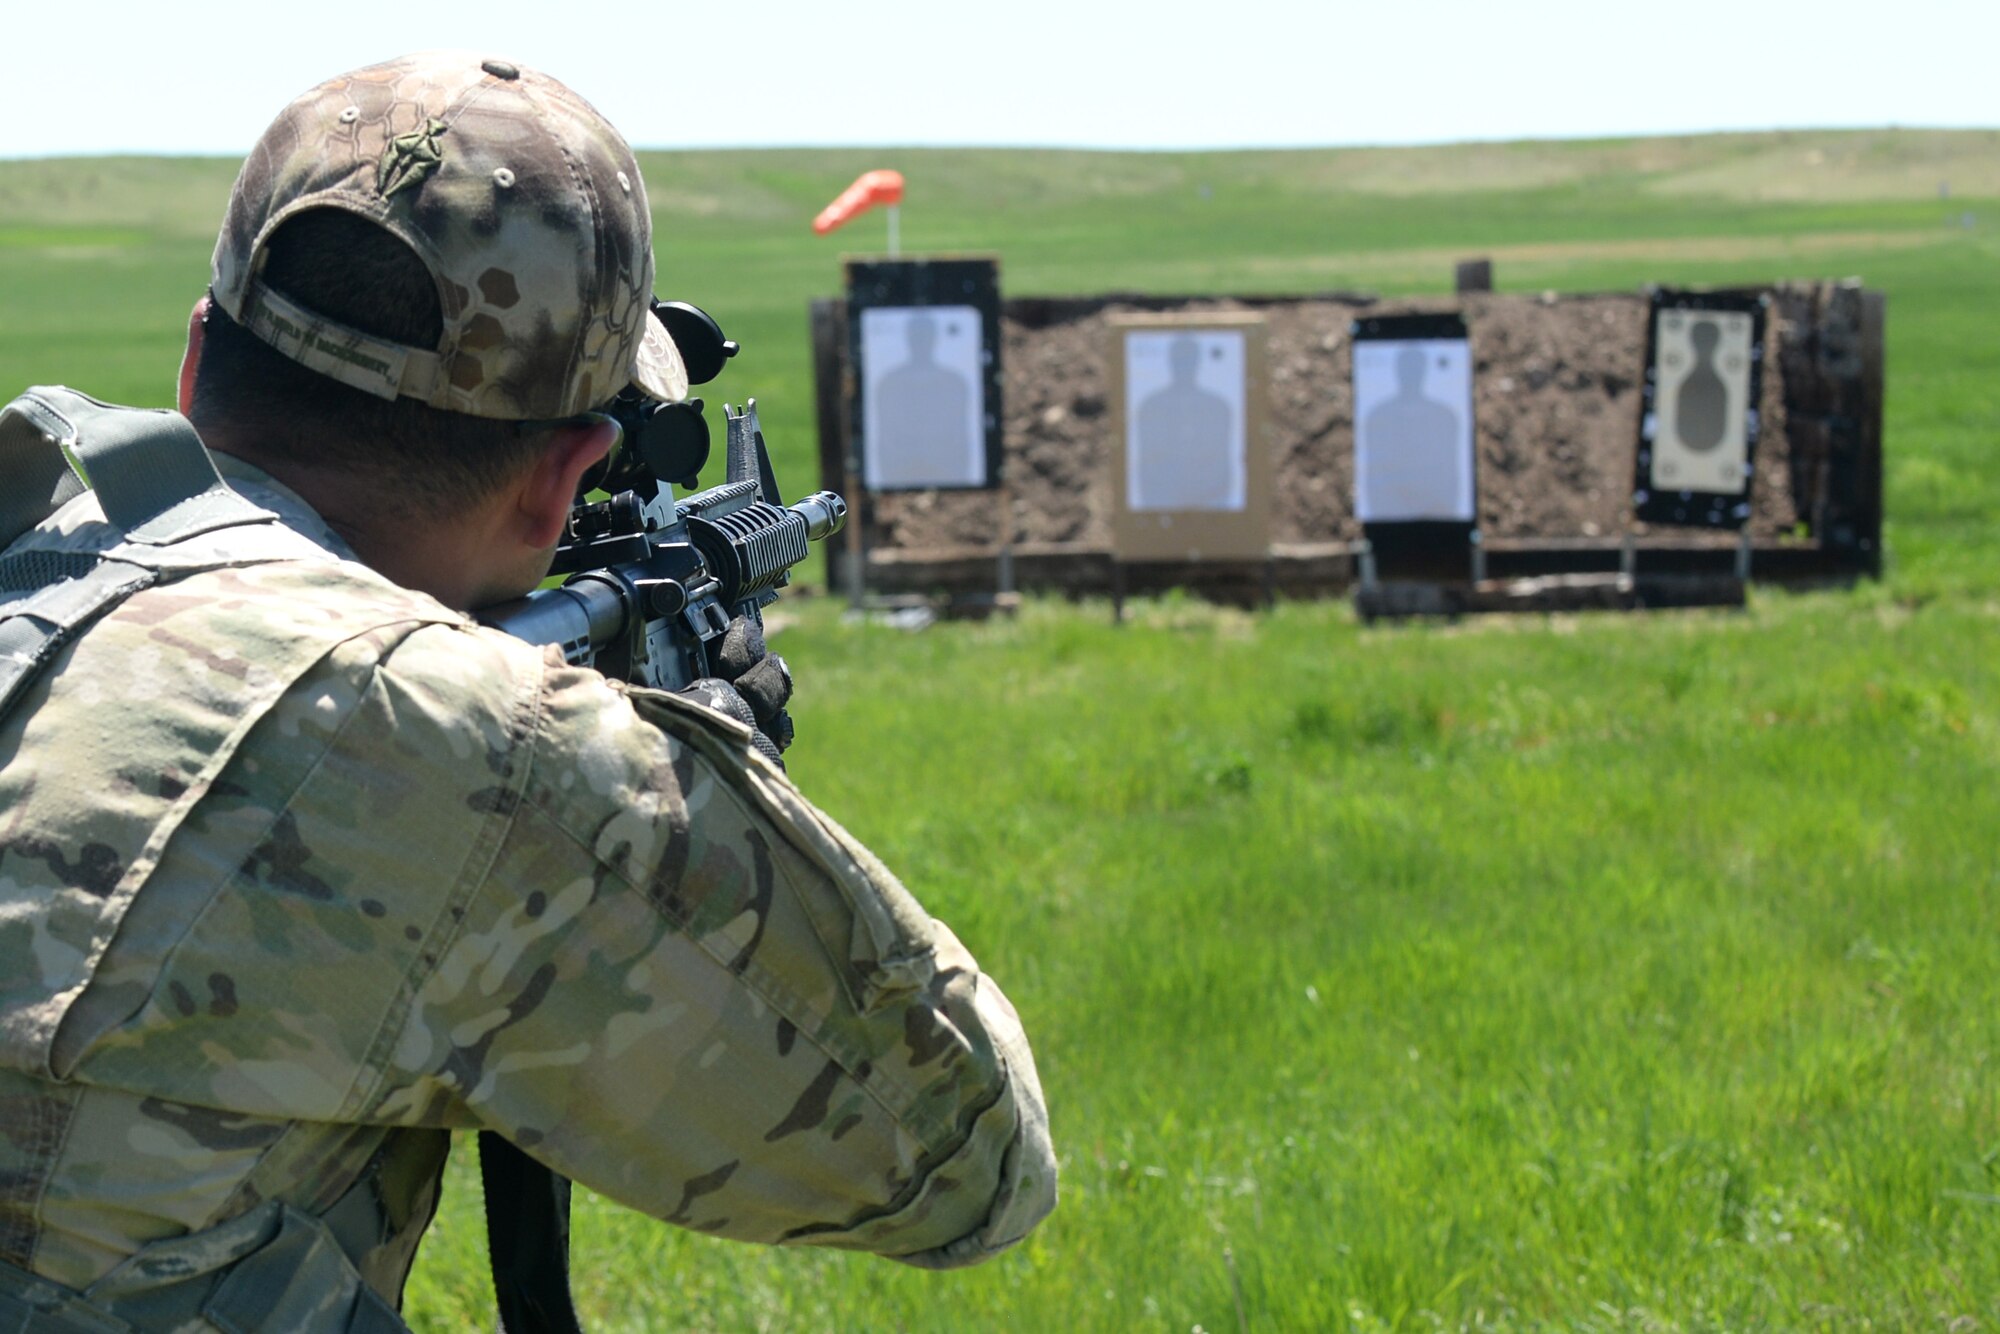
1004, 565
1478, 546
1628, 557
1367, 553
1743, 556
894, 210
1474, 275
855, 559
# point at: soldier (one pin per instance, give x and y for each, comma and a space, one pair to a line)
301, 869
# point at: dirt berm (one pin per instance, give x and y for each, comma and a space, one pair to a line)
1556, 401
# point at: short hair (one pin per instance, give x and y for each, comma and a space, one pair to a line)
421, 460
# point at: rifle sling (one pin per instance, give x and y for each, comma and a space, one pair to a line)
527, 1240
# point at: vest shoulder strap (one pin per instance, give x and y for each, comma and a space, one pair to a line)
34, 628
151, 473
152, 476
39, 479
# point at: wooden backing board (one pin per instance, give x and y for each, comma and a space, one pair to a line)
1191, 534
846, 557
1866, 487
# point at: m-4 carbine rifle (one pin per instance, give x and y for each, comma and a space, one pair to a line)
654, 582
652, 586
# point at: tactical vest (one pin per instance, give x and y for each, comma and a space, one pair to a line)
168, 515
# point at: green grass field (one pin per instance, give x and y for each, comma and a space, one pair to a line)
1588, 973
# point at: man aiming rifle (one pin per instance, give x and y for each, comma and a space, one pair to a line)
301, 868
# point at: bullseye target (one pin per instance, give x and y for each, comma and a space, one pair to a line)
1699, 422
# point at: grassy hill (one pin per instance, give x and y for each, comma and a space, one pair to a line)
100, 256
1593, 972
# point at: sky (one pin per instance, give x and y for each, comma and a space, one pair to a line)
206, 78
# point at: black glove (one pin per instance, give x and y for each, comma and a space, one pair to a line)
751, 684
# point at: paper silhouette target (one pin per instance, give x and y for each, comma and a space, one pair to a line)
923, 405
1702, 401
1698, 421
1184, 415
1191, 452
1413, 457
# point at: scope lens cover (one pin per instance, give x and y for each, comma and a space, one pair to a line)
704, 350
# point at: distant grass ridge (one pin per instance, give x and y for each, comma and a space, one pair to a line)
1583, 973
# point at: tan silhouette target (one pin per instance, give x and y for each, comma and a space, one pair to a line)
1191, 464
1701, 406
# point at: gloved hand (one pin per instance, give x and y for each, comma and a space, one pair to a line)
751, 684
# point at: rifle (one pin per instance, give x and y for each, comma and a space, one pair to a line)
654, 582
652, 586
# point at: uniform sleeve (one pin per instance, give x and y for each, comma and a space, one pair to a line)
685, 987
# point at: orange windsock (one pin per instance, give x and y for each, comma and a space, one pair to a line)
869, 189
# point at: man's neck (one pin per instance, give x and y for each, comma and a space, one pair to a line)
434, 554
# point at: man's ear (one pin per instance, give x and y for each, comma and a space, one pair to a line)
550, 488
197, 331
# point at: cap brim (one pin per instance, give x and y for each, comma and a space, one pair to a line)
658, 369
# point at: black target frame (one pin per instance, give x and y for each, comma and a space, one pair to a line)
1694, 508
1421, 548
970, 280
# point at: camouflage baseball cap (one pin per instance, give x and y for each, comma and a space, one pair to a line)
524, 203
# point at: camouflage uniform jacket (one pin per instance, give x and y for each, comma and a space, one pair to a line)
300, 870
